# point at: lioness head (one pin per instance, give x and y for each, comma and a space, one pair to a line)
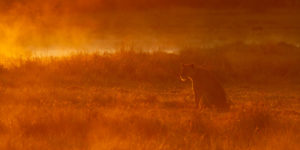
187, 71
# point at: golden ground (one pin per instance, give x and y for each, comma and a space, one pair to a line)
125, 118
135, 100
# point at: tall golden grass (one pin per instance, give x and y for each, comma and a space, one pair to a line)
134, 100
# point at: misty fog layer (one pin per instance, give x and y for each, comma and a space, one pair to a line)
29, 26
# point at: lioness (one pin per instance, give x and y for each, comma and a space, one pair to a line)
206, 87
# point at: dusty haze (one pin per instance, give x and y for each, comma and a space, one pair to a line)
28, 26
104, 74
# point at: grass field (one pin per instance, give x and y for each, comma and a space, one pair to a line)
134, 100
126, 118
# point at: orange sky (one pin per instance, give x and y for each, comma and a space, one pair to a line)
83, 24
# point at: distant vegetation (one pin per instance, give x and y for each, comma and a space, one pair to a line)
233, 63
